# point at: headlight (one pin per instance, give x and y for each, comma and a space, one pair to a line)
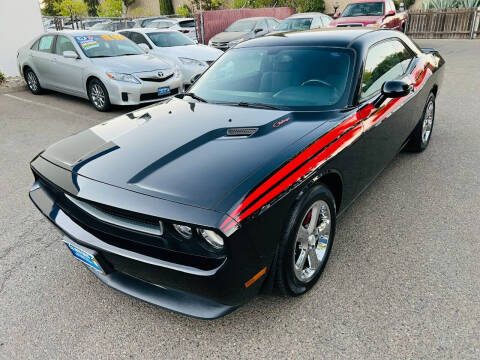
376, 25
234, 42
212, 238
123, 77
188, 61
184, 230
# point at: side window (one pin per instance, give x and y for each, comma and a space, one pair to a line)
404, 56
317, 22
383, 63
63, 44
45, 43
126, 34
35, 45
139, 39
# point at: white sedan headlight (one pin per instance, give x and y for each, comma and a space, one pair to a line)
123, 77
188, 61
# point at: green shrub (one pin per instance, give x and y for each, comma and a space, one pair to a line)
184, 11
110, 8
311, 6
2, 78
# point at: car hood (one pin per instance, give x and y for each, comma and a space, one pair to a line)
229, 36
179, 150
132, 63
197, 52
355, 19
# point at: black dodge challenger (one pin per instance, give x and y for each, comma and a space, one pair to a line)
199, 203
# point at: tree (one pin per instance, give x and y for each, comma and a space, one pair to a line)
110, 8
71, 8
207, 4
166, 7
48, 8
311, 6
92, 7
127, 4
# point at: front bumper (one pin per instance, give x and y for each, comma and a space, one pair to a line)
206, 290
125, 93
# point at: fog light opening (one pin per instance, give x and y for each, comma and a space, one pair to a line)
212, 238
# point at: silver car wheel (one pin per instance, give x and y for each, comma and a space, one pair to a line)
32, 81
98, 96
312, 241
428, 122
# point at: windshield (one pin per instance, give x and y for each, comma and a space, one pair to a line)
363, 9
294, 24
168, 39
296, 78
107, 45
102, 26
241, 26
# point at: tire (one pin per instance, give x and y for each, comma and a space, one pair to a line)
293, 280
98, 95
422, 133
32, 82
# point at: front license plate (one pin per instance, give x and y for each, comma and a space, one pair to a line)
85, 256
164, 90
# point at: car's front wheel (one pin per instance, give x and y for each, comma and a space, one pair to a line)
98, 95
307, 242
32, 82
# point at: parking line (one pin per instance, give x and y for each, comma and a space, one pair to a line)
45, 106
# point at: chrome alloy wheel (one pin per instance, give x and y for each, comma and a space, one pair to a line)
312, 241
98, 95
32, 81
428, 122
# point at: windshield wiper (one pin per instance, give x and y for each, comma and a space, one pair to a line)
100, 56
128, 54
192, 95
253, 105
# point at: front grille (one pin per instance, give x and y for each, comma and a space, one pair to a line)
119, 217
220, 44
157, 79
350, 25
154, 96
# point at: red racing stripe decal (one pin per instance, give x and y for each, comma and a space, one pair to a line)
294, 163
311, 165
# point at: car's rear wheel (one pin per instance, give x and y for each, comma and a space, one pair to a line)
307, 242
420, 137
32, 82
98, 95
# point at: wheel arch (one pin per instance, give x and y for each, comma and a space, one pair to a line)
434, 90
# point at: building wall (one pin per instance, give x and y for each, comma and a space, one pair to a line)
17, 31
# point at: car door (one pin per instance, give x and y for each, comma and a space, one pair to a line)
42, 60
68, 76
388, 126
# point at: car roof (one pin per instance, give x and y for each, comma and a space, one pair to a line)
80, 32
308, 14
147, 30
335, 37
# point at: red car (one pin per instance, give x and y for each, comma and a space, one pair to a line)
376, 14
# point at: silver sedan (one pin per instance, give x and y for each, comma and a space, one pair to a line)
104, 67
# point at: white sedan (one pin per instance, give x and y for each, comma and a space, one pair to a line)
192, 59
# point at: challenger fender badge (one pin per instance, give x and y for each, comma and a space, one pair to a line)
281, 122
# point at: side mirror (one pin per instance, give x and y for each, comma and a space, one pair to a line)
393, 89
144, 47
70, 55
256, 31
337, 15
390, 13
194, 79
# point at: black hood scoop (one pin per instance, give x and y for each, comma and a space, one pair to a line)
241, 131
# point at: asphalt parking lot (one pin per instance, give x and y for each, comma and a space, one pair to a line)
403, 280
